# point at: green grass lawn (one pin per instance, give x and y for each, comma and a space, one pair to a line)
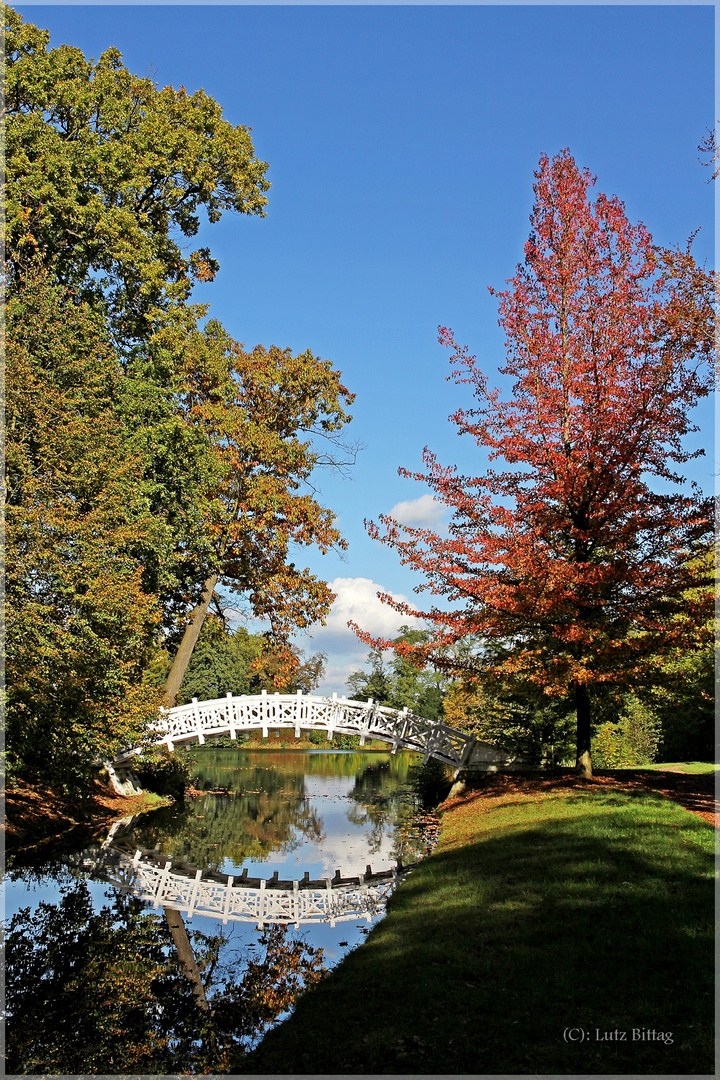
686, 766
544, 910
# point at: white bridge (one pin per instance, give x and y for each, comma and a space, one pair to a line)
169, 884
229, 715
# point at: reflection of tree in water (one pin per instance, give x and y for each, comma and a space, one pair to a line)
262, 806
267, 814
228, 768
107, 992
384, 799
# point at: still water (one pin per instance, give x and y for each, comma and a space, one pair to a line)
188, 992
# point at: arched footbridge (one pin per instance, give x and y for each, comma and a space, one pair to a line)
231, 715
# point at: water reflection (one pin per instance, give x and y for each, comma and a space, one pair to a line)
100, 981
120, 990
290, 812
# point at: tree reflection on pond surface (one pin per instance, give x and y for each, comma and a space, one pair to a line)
104, 983
108, 991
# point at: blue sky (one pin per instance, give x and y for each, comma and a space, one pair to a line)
402, 142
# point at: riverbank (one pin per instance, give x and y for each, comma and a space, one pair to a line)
560, 926
36, 815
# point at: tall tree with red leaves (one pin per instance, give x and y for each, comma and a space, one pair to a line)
574, 555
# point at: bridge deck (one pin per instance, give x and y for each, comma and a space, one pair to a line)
402, 729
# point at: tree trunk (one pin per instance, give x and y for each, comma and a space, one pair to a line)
186, 956
192, 633
583, 762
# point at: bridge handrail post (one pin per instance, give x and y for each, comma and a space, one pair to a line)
365, 721
228, 898
298, 713
162, 879
198, 721
231, 714
263, 713
194, 894
330, 905
261, 905
332, 718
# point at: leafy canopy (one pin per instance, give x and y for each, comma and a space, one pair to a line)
103, 168
147, 452
574, 553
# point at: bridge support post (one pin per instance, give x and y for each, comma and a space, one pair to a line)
466, 755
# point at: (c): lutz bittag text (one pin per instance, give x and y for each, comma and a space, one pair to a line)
578, 1034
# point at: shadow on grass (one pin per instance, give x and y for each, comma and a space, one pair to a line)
596, 918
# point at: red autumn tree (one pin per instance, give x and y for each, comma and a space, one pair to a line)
571, 561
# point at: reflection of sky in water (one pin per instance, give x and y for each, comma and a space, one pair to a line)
346, 846
20, 893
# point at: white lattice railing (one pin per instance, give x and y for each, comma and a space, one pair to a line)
230, 715
241, 899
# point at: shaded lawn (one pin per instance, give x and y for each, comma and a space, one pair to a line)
543, 908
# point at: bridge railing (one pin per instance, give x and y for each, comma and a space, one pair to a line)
243, 899
231, 715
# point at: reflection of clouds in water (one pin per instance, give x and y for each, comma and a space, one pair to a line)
357, 830
350, 855
346, 847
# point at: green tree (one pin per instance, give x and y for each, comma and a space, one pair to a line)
80, 625
682, 694
518, 718
632, 741
685, 706
105, 171
261, 413
399, 682
238, 662
183, 460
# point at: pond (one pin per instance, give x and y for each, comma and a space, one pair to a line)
173, 943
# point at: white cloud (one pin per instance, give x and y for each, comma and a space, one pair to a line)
357, 601
426, 512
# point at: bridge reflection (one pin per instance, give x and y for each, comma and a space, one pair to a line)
169, 883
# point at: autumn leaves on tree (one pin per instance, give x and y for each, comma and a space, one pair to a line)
150, 456
152, 459
572, 563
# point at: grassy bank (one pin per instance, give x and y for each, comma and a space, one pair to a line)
549, 907
690, 767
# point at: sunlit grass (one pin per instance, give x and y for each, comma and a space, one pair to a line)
577, 907
686, 766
